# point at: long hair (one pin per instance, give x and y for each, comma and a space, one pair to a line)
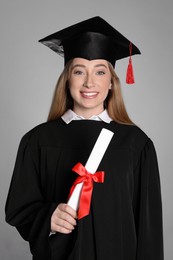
114, 103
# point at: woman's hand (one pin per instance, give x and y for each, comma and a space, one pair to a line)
63, 219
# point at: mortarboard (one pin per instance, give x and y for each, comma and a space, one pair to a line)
91, 39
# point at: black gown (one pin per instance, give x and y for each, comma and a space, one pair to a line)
125, 220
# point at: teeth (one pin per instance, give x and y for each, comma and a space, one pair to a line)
89, 94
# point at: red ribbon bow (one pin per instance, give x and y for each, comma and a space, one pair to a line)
87, 188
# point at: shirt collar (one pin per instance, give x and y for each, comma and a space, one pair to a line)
70, 115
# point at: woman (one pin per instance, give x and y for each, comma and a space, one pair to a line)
125, 217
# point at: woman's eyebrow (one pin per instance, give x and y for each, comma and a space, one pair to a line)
101, 65
78, 65
83, 66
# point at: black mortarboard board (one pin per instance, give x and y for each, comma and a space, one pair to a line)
91, 39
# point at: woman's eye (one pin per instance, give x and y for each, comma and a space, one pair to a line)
100, 72
78, 72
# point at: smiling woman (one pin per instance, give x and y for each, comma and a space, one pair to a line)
89, 83
125, 214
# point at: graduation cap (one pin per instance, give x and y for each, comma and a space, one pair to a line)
92, 39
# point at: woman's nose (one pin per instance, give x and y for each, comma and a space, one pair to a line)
88, 83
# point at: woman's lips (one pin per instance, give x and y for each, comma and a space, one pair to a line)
89, 94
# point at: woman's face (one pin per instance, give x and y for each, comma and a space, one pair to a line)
89, 83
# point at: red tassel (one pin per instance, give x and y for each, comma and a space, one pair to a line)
130, 75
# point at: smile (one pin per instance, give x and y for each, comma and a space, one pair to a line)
89, 94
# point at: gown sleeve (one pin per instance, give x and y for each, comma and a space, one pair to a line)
148, 206
26, 208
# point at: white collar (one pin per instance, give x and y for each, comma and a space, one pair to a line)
69, 115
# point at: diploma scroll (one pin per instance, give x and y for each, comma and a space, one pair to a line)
92, 164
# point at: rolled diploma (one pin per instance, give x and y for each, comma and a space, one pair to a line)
92, 163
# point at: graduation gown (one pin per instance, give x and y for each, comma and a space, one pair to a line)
125, 220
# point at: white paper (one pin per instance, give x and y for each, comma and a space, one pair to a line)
93, 162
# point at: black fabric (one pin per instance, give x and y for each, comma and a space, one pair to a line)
90, 39
91, 46
125, 220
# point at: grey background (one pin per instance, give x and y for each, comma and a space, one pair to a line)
29, 72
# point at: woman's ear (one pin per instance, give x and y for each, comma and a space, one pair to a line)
110, 85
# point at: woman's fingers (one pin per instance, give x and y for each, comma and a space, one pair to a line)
66, 208
63, 219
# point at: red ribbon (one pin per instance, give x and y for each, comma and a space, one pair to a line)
87, 178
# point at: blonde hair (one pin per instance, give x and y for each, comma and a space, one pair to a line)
114, 103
